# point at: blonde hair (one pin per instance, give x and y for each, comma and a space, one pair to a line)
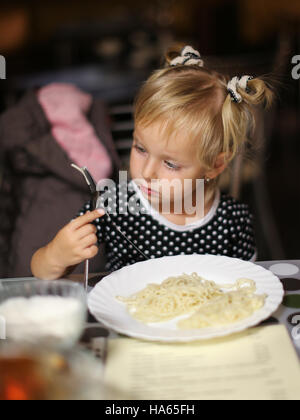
195, 100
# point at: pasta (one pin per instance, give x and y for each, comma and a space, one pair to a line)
204, 300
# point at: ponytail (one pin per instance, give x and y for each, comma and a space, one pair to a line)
239, 117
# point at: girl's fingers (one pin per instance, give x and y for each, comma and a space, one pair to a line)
86, 218
88, 241
85, 231
90, 252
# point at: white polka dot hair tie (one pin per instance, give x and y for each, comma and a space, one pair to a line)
234, 84
188, 57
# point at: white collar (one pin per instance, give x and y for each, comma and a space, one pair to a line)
179, 228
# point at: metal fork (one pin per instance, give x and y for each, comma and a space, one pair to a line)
95, 195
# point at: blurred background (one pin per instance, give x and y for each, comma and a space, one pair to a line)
107, 49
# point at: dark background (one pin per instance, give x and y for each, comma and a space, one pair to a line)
109, 47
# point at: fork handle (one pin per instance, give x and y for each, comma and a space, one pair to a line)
86, 275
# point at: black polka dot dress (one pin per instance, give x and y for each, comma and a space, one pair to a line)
226, 230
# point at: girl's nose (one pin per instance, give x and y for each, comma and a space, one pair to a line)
149, 170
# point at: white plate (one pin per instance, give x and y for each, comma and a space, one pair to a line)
107, 309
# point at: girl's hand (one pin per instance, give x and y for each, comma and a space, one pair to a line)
75, 242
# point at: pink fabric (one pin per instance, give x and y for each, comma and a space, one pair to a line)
66, 107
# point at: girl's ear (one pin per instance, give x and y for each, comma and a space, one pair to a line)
220, 166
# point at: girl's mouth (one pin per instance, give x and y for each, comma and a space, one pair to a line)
148, 191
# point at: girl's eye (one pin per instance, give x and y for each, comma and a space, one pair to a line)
139, 149
172, 166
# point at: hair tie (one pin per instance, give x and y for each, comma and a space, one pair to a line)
238, 82
188, 57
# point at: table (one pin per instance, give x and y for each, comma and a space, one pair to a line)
287, 314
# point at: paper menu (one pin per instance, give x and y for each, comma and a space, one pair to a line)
259, 363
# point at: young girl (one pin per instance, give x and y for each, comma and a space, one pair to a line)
190, 122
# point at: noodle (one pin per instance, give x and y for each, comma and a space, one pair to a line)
204, 300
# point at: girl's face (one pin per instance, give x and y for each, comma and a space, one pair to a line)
161, 166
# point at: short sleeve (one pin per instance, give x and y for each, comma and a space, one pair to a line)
99, 223
245, 243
